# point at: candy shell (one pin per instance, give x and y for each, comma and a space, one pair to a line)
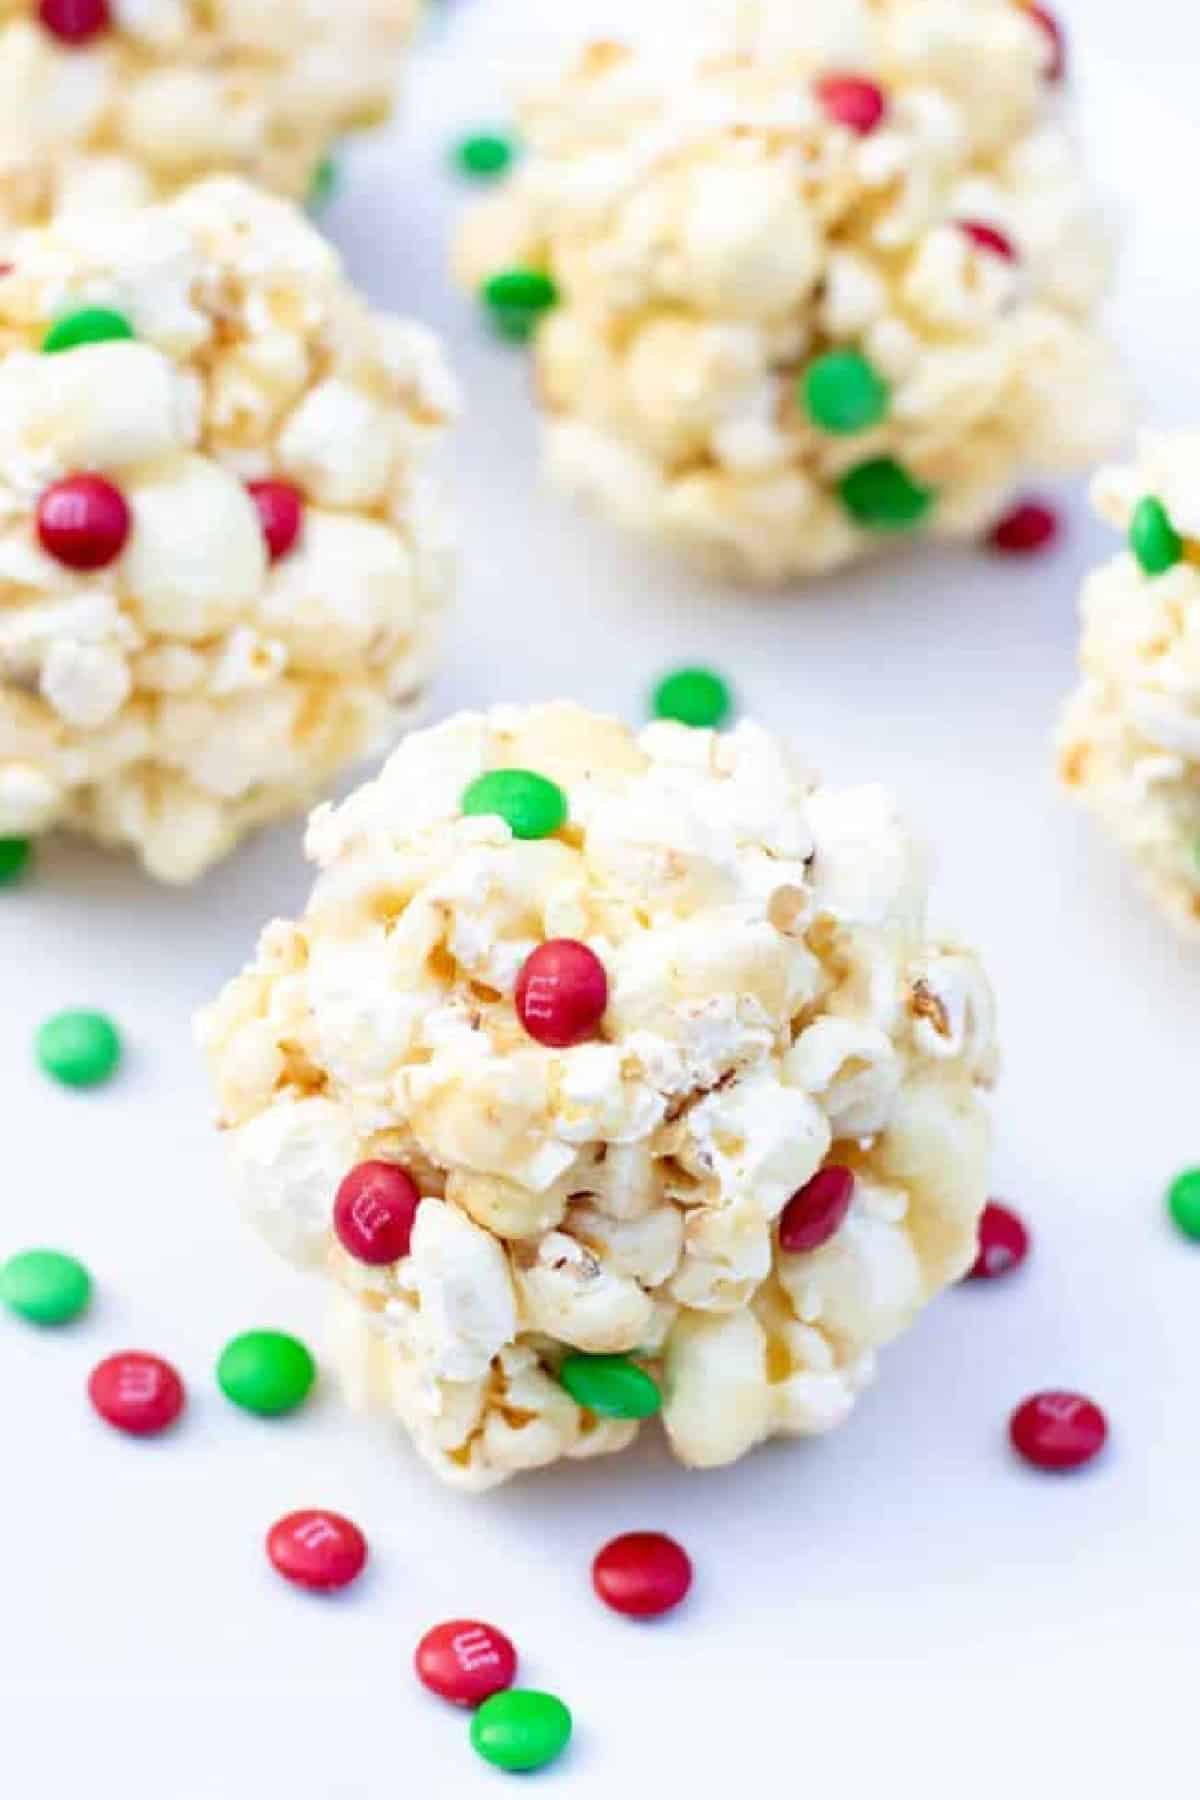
642, 1574
1057, 1430
521, 1729
45, 1287
318, 1550
612, 1387
465, 1661
562, 993
266, 1372
136, 1392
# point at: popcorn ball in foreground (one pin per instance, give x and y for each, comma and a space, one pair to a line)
661, 1097
116, 102
831, 284
1130, 737
220, 561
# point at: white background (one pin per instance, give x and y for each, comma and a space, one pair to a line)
900, 1608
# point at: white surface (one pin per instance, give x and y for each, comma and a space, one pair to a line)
899, 1608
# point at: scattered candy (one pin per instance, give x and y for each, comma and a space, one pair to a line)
83, 522
1058, 1430
530, 805
318, 1550
75, 21
517, 298
1003, 1243
881, 496
373, 1213
45, 1287
521, 1729
851, 101
642, 1574
14, 858
80, 1049
842, 393
612, 1387
324, 184
562, 993
1057, 67
485, 155
86, 325
465, 1661
136, 1392
266, 1372
1183, 1203
281, 514
1030, 527
989, 237
698, 697
817, 1210
1152, 537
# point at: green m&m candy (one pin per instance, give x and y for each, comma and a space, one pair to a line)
86, 325
698, 697
1183, 1203
45, 1286
521, 1729
530, 805
612, 1387
324, 184
14, 858
842, 393
880, 495
79, 1048
1152, 537
517, 298
485, 155
266, 1372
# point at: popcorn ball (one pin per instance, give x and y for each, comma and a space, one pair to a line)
1129, 744
117, 102
673, 1106
827, 285
221, 561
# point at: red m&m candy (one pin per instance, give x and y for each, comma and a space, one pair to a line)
642, 1574
136, 1392
281, 514
851, 101
1003, 1243
465, 1661
1058, 1430
317, 1550
74, 21
816, 1210
373, 1212
562, 993
1056, 68
1029, 527
83, 522
988, 237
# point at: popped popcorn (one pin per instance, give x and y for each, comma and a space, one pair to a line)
210, 599
777, 1007
830, 282
139, 97
1129, 742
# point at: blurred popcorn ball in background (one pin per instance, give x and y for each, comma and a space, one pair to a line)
607, 1074
116, 102
815, 277
221, 558
1130, 737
